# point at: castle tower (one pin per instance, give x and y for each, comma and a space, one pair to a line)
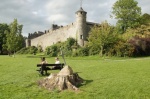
81, 34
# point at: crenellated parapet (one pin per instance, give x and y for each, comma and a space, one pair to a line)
35, 34
56, 28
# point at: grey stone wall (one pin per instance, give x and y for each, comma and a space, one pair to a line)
55, 36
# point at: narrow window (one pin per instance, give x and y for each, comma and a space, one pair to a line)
81, 36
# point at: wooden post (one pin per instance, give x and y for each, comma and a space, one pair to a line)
62, 54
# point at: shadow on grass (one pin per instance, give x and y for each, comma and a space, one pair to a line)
44, 75
85, 82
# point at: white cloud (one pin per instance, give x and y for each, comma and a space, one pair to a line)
38, 15
57, 17
35, 12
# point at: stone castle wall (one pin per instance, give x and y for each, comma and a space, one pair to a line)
54, 36
60, 35
78, 30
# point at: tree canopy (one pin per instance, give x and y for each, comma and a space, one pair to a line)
101, 37
127, 12
14, 38
145, 19
3, 28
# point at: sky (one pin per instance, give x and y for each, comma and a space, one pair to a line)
39, 15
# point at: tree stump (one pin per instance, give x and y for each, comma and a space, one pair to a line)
65, 79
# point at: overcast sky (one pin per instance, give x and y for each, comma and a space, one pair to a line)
38, 15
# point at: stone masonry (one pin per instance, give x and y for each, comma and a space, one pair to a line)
78, 30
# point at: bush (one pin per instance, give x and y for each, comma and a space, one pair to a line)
141, 45
32, 50
52, 50
66, 46
84, 51
94, 50
28, 50
39, 49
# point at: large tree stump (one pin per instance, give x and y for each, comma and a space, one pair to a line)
65, 79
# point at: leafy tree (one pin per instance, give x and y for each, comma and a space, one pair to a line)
101, 37
3, 28
14, 37
127, 12
145, 19
69, 43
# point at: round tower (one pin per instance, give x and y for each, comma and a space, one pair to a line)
81, 26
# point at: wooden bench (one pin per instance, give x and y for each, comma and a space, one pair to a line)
45, 67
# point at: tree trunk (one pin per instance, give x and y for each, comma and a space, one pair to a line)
101, 52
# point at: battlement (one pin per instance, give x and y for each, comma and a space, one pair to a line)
55, 27
35, 34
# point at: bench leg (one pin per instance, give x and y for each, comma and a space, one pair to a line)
45, 72
41, 72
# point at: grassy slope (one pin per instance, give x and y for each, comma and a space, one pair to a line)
104, 78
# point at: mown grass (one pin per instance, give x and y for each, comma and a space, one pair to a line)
105, 78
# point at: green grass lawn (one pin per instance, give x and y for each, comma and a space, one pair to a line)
111, 78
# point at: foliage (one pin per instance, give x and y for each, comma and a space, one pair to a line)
127, 12
83, 51
3, 28
145, 19
14, 38
121, 49
28, 50
22, 51
141, 45
134, 42
32, 50
101, 38
39, 49
69, 43
68, 46
54, 50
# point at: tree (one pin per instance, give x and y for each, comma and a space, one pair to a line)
145, 19
127, 12
14, 37
101, 37
3, 28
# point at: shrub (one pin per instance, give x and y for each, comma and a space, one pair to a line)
66, 46
39, 49
141, 45
94, 50
28, 50
22, 51
32, 50
84, 51
52, 50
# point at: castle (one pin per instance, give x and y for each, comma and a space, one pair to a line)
78, 30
